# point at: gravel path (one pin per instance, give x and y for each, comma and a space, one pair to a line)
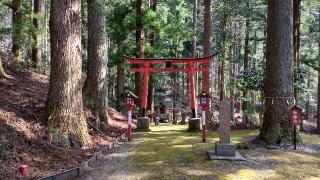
112, 166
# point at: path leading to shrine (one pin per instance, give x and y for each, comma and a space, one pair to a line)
169, 152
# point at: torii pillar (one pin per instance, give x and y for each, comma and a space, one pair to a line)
194, 122
144, 122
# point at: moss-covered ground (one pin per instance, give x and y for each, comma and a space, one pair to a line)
169, 152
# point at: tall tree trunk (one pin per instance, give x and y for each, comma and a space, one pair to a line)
296, 36
16, 32
36, 49
246, 64
253, 66
308, 110
194, 42
175, 92
2, 72
279, 72
96, 83
224, 49
46, 40
233, 71
318, 104
153, 36
239, 47
318, 93
194, 25
139, 49
207, 42
64, 108
120, 79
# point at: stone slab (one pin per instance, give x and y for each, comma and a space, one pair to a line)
143, 124
224, 121
194, 124
238, 157
225, 149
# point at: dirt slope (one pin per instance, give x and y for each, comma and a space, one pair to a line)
23, 137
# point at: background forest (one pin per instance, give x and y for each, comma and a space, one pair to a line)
84, 59
176, 29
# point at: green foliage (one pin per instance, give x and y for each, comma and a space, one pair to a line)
301, 74
24, 29
251, 79
252, 119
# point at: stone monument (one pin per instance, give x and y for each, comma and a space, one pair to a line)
143, 124
224, 149
194, 124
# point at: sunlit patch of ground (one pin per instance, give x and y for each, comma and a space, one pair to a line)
169, 152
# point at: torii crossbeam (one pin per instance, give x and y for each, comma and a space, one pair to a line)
145, 67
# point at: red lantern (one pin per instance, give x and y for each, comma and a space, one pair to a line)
130, 101
295, 115
204, 100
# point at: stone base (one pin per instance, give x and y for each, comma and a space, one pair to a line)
143, 124
194, 124
213, 156
225, 149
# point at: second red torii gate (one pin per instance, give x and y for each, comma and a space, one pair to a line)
146, 69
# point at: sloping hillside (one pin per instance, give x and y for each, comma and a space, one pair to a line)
23, 137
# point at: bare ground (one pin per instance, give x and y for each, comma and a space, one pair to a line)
24, 138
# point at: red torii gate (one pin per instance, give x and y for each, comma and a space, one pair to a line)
146, 69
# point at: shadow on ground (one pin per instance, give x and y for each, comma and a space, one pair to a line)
169, 152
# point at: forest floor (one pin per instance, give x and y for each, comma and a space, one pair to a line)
23, 137
170, 152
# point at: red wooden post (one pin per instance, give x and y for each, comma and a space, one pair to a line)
204, 100
129, 124
145, 88
192, 89
130, 105
203, 125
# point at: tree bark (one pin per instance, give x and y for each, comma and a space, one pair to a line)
296, 36
246, 64
153, 36
2, 72
175, 91
64, 108
96, 82
16, 32
238, 94
207, 42
233, 76
308, 110
279, 73
120, 80
224, 50
140, 49
222, 79
194, 25
36, 49
194, 42
318, 101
